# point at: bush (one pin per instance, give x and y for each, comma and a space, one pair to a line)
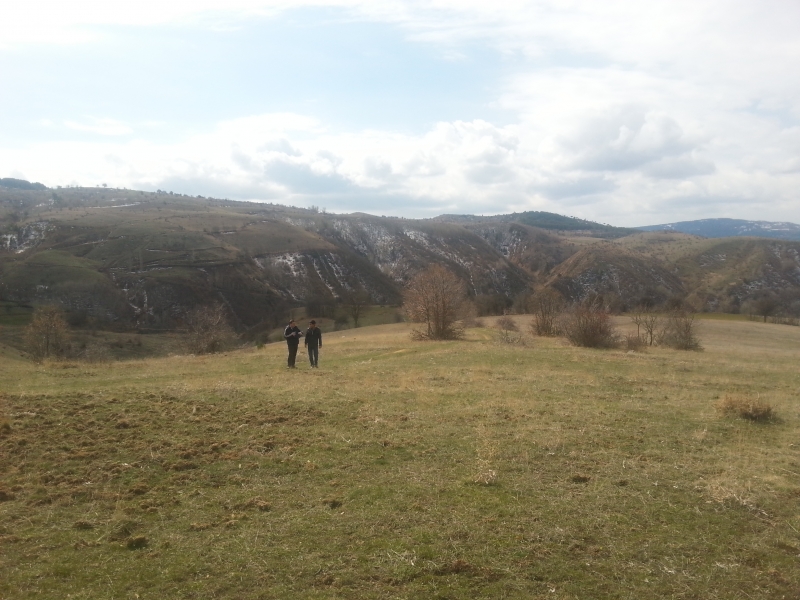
746, 408
509, 331
507, 324
589, 325
47, 335
341, 322
634, 343
680, 332
546, 307
209, 330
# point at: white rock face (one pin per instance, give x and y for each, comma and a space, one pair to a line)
28, 236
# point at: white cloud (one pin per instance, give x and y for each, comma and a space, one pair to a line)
103, 126
627, 110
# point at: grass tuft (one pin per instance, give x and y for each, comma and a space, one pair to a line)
746, 408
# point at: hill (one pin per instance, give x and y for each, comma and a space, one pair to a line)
624, 277
129, 257
20, 184
125, 259
718, 228
548, 221
398, 469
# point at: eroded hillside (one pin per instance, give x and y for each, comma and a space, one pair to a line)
132, 258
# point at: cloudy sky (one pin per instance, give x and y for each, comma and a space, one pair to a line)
622, 112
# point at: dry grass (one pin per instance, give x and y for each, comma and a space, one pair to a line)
405, 470
754, 409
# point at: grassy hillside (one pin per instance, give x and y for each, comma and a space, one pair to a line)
405, 470
133, 260
548, 221
614, 271
144, 260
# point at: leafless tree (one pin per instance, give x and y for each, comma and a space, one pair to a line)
357, 305
546, 306
648, 324
47, 335
766, 306
209, 330
436, 298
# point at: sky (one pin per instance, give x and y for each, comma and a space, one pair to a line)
622, 112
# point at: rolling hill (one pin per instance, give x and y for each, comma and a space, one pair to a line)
130, 259
717, 228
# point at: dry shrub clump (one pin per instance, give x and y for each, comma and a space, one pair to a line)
209, 330
509, 331
589, 325
680, 332
546, 307
635, 343
746, 408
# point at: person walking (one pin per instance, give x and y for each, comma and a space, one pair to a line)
292, 335
313, 343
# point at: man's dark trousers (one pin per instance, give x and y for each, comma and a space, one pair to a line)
292, 353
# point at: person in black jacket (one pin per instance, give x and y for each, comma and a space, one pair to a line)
292, 335
313, 343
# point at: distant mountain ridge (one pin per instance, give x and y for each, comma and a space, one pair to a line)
718, 228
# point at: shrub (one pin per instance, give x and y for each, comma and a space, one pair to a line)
746, 408
680, 332
634, 343
589, 325
509, 331
507, 324
546, 306
209, 330
341, 322
47, 335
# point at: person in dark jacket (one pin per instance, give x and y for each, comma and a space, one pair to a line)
292, 335
313, 343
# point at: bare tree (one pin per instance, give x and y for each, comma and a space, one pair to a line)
546, 306
766, 306
47, 334
357, 305
436, 298
645, 318
209, 330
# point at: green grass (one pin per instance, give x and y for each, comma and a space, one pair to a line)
611, 474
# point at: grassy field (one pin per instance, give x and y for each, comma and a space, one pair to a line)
468, 469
